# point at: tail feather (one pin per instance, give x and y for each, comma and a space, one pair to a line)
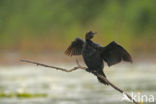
101, 80
99, 72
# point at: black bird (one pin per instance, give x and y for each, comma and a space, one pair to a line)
94, 54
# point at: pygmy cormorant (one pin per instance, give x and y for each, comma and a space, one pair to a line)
94, 54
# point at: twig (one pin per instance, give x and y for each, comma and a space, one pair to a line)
84, 68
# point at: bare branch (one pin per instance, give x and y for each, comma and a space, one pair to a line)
84, 68
57, 68
118, 89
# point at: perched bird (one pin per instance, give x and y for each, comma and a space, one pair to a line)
94, 55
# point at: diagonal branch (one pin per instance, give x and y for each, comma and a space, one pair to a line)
84, 68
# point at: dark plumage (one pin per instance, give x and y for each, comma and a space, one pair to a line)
94, 54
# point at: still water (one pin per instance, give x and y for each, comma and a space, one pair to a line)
40, 85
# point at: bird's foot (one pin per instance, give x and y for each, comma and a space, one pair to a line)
88, 70
95, 72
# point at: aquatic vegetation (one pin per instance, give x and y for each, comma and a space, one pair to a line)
22, 95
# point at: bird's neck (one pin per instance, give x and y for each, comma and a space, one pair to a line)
88, 41
92, 44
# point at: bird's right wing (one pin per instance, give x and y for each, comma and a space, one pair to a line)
75, 47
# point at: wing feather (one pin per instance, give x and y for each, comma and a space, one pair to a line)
113, 53
75, 47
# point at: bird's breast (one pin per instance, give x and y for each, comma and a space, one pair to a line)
92, 57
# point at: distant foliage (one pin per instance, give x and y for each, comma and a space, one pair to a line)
23, 21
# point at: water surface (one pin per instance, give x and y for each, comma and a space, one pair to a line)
47, 86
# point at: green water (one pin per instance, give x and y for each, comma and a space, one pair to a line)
38, 85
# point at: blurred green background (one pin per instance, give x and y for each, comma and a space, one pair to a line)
50, 25
40, 30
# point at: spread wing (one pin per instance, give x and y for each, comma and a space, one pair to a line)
75, 47
113, 53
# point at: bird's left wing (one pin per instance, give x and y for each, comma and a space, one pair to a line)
113, 53
75, 47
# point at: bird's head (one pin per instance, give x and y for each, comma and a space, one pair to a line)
90, 35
